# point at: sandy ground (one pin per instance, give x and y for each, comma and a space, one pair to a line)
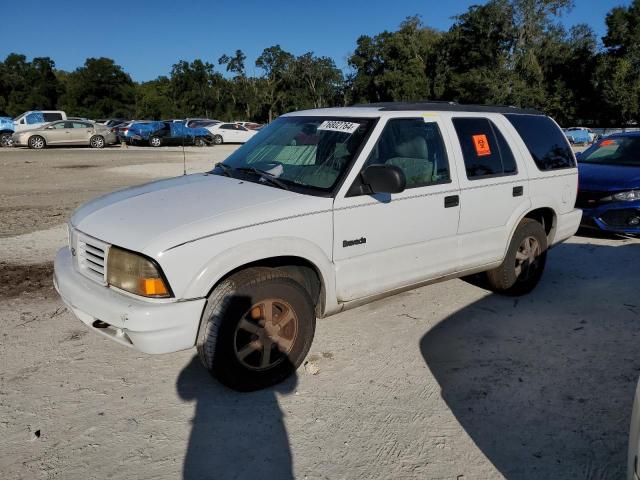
444, 382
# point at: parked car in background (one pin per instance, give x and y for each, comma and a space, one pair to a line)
65, 132
167, 132
230, 133
200, 122
250, 125
6, 131
609, 191
128, 131
36, 118
580, 135
112, 122
239, 261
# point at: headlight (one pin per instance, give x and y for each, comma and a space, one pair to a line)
136, 274
629, 196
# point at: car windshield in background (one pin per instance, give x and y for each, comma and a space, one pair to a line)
623, 151
307, 152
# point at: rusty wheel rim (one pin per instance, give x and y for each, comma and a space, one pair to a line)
527, 258
265, 335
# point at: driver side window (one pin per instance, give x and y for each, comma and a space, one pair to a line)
416, 147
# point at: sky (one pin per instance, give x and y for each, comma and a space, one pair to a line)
147, 37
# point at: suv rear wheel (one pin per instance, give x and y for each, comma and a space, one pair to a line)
256, 329
524, 263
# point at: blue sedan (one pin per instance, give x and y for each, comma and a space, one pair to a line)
609, 186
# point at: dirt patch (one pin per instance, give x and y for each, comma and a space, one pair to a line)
25, 219
77, 166
34, 279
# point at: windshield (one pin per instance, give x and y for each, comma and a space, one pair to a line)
307, 152
623, 151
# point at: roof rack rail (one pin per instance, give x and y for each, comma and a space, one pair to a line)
446, 106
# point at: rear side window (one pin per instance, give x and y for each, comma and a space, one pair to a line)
51, 117
486, 152
545, 141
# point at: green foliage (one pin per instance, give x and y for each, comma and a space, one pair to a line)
27, 85
98, 89
512, 52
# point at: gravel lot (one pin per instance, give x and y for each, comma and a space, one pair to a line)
443, 382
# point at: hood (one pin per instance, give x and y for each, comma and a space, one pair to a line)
608, 178
154, 217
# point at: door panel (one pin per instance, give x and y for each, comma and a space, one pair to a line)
488, 201
80, 133
387, 241
60, 134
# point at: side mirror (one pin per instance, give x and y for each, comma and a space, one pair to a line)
578, 155
384, 178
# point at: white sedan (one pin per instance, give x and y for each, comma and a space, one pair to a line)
230, 133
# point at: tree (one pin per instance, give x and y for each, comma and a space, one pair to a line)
394, 65
277, 67
99, 89
27, 85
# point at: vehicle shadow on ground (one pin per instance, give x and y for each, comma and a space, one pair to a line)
234, 435
544, 384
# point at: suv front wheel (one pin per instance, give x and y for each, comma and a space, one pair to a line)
256, 329
524, 263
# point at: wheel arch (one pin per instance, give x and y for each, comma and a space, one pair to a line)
303, 259
547, 216
300, 269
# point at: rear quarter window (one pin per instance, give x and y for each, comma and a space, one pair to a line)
545, 141
486, 152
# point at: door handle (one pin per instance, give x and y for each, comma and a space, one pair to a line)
451, 201
518, 191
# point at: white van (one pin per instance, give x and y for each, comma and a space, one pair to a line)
36, 118
321, 211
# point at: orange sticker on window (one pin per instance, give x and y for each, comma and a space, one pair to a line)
606, 143
482, 145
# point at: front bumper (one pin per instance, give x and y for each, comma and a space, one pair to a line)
148, 326
617, 217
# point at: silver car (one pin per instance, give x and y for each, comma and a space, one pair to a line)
65, 132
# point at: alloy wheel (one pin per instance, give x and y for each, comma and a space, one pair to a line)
37, 142
527, 258
266, 334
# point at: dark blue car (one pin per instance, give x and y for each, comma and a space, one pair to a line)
609, 186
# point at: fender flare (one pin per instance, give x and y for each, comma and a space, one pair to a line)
234, 258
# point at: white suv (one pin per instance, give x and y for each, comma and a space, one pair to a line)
322, 211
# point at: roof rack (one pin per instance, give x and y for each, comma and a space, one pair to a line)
443, 106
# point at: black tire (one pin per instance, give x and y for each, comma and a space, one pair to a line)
515, 276
218, 140
97, 141
37, 142
222, 340
6, 140
155, 141
199, 142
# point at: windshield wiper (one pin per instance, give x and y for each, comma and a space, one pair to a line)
225, 168
266, 176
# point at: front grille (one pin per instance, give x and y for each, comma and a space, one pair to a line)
92, 258
589, 199
626, 217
